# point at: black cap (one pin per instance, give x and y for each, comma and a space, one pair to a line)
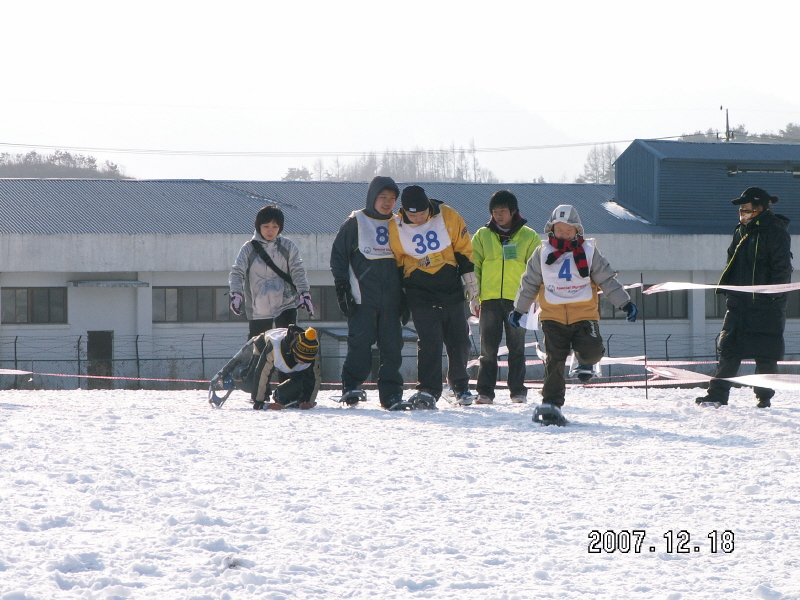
755, 196
414, 199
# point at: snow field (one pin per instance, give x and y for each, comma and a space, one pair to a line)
145, 494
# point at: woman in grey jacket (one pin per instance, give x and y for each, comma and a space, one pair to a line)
268, 276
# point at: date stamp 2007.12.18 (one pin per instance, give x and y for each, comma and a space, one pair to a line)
671, 541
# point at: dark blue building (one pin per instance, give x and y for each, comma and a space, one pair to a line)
673, 183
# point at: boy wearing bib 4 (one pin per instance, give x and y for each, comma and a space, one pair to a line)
434, 251
563, 275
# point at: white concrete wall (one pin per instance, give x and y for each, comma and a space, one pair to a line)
194, 260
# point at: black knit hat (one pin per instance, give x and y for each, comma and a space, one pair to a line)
503, 198
414, 199
755, 196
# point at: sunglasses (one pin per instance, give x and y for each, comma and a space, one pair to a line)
743, 211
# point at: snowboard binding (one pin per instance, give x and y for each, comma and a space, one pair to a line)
549, 414
352, 397
422, 401
220, 384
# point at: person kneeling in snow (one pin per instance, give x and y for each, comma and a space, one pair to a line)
563, 274
290, 354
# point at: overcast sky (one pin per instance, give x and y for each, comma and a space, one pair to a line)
351, 76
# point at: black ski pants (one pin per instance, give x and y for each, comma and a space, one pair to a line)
583, 337
493, 322
439, 326
368, 326
728, 366
286, 318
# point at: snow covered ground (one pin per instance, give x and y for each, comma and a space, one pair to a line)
144, 494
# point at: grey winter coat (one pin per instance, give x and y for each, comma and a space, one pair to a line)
266, 295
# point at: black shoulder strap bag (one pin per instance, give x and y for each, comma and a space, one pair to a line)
271, 264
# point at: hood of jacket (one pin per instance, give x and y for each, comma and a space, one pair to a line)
260, 238
766, 219
565, 213
517, 222
376, 186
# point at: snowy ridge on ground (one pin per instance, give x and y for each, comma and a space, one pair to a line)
152, 494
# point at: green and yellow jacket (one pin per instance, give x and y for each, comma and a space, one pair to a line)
500, 257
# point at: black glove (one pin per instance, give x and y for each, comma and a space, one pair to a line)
514, 319
347, 304
631, 310
405, 311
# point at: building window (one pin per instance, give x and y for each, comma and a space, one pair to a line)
715, 305
34, 305
664, 305
192, 305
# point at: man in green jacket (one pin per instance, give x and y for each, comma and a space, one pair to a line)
501, 250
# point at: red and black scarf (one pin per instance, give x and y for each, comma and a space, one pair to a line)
576, 246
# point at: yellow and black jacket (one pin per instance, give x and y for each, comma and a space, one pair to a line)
435, 284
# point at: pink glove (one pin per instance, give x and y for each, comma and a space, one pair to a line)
305, 302
236, 303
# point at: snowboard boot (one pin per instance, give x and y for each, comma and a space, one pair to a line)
764, 403
464, 398
423, 401
711, 401
353, 397
549, 414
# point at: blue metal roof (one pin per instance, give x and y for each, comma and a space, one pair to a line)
109, 206
722, 151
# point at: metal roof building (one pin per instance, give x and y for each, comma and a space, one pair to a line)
671, 183
170, 207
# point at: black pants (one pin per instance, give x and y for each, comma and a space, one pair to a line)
366, 327
493, 321
728, 366
286, 318
583, 337
439, 326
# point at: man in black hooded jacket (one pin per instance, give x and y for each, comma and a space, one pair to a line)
369, 292
760, 254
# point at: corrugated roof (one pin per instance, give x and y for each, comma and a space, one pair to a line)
108, 206
722, 151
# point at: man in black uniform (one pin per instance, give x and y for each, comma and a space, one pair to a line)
760, 254
369, 293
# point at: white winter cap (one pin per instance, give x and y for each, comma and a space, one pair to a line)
564, 213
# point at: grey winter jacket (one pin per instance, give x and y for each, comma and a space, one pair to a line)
266, 295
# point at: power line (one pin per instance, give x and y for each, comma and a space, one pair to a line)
260, 154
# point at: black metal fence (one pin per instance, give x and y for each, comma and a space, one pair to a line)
189, 361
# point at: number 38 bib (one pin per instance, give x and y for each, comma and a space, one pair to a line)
561, 280
373, 236
425, 241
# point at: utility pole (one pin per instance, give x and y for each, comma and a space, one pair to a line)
728, 132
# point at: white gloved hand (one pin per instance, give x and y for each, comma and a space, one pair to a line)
236, 303
475, 307
470, 286
305, 302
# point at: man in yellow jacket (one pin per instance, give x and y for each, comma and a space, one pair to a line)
501, 250
563, 275
432, 246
